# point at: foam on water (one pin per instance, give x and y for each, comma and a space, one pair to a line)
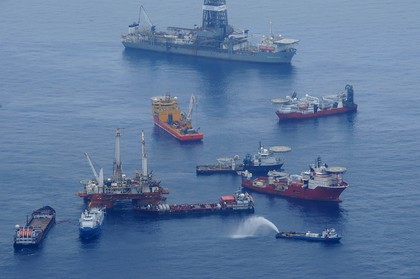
254, 226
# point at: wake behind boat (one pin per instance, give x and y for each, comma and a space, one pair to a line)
327, 235
215, 39
90, 222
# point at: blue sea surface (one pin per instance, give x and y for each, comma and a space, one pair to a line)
66, 84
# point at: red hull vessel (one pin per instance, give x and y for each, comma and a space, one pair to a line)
320, 183
175, 133
312, 107
302, 115
168, 116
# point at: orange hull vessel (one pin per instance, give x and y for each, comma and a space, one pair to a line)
169, 117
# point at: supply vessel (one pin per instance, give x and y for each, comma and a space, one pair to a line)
215, 39
265, 160
327, 235
90, 222
237, 203
292, 107
33, 233
320, 183
168, 116
142, 188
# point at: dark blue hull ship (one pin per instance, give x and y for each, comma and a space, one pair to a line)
328, 235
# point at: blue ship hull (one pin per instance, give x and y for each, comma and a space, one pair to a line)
87, 233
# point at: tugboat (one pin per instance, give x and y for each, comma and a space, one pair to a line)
90, 222
320, 183
237, 203
264, 161
327, 235
33, 233
215, 39
311, 107
168, 116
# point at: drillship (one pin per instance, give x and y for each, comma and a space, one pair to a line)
215, 39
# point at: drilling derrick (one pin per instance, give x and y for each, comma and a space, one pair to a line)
215, 18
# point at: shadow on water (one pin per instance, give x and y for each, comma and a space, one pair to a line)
27, 251
307, 208
213, 69
328, 209
90, 243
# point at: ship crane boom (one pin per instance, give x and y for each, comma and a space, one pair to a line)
99, 178
143, 11
193, 101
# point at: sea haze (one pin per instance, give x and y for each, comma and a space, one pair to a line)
66, 84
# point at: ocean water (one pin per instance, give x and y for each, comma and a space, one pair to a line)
66, 84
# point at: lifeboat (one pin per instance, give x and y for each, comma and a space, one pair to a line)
267, 48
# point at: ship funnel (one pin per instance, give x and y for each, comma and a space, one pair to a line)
143, 156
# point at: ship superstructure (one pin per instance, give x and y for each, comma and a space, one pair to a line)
214, 39
140, 189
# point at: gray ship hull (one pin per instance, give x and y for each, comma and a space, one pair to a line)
283, 57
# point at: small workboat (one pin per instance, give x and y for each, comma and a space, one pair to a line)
327, 235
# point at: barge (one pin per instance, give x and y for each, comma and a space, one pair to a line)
36, 229
233, 204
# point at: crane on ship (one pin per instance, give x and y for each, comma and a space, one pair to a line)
142, 11
193, 102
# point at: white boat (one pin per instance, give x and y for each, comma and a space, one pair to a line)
90, 223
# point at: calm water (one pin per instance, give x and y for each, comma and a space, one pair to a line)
66, 83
